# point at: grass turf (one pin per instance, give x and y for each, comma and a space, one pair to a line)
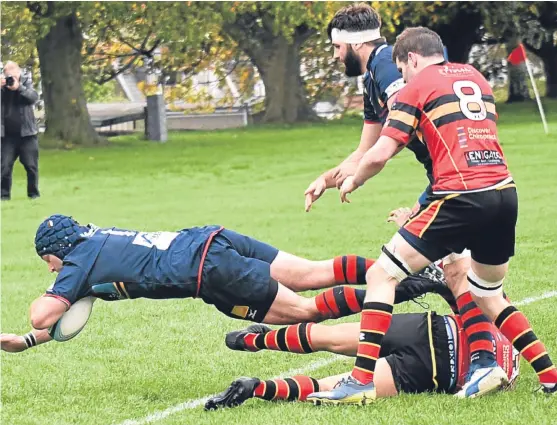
138, 357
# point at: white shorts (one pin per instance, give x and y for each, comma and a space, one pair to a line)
454, 257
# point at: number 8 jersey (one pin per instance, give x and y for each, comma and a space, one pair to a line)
451, 109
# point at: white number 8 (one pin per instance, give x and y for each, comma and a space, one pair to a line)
467, 99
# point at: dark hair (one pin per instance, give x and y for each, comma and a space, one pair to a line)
420, 40
356, 17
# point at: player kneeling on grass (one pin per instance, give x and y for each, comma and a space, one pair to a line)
421, 352
238, 274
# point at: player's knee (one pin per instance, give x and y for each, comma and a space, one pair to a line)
305, 311
340, 344
484, 288
390, 265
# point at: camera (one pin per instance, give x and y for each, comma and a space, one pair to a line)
10, 81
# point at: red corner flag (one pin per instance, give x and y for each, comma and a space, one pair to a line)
517, 56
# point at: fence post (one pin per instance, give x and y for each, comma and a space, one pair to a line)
155, 120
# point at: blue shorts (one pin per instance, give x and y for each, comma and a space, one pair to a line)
237, 276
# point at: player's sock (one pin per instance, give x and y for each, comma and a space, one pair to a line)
293, 339
478, 329
351, 269
340, 301
376, 319
296, 388
514, 325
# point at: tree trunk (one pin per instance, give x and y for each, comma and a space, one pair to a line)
285, 97
547, 52
278, 61
66, 112
461, 33
550, 69
518, 76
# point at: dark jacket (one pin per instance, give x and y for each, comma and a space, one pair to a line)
25, 97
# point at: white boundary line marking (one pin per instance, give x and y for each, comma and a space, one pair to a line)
531, 300
192, 404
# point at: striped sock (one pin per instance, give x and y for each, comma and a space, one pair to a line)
340, 301
478, 329
514, 325
351, 269
293, 339
296, 388
375, 322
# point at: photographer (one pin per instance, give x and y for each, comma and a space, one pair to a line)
19, 129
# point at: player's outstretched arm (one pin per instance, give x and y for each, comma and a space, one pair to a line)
348, 167
46, 310
13, 343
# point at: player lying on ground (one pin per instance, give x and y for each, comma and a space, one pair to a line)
237, 274
421, 352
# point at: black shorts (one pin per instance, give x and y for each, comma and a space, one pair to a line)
236, 276
483, 222
417, 349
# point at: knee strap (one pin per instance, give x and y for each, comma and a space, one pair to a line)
393, 265
482, 288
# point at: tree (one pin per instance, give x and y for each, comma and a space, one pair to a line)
54, 29
117, 33
535, 25
272, 35
459, 24
541, 38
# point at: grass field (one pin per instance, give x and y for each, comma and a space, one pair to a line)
136, 358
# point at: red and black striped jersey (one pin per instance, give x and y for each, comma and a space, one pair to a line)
450, 107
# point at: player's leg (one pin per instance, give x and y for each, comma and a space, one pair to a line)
511, 322
291, 308
336, 302
342, 301
301, 274
398, 260
477, 326
242, 287
296, 388
384, 382
491, 252
302, 338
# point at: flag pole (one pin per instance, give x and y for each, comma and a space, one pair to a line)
538, 100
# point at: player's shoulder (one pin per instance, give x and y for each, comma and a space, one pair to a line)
453, 70
383, 51
382, 57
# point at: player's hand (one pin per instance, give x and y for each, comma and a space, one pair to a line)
314, 191
343, 172
3, 81
399, 216
347, 187
12, 343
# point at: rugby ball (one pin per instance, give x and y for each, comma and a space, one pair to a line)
72, 321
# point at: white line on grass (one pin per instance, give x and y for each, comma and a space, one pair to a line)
192, 404
531, 300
